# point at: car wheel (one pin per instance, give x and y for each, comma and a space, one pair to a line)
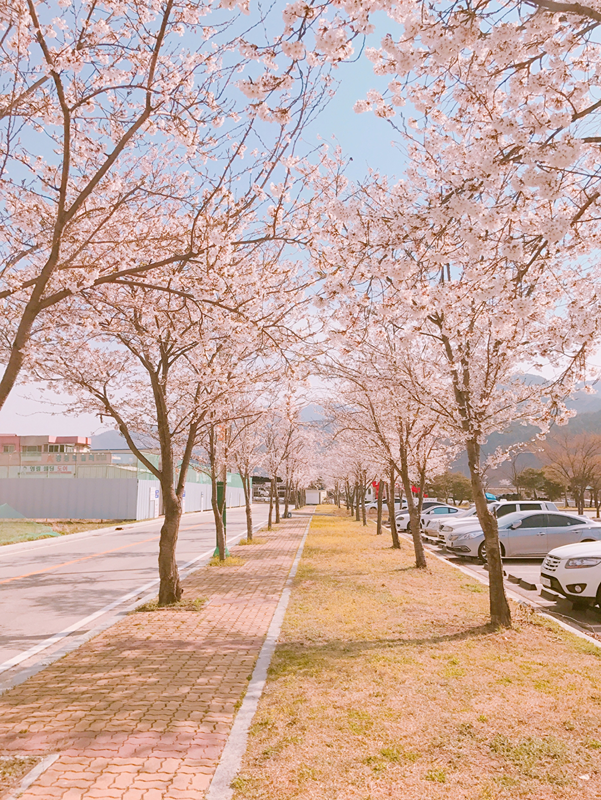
587, 540
482, 552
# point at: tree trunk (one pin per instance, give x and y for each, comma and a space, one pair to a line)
270, 517
286, 500
380, 498
414, 515
170, 590
500, 614
363, 509
357, 503
217, 516
276, 499
246, 483
396, 544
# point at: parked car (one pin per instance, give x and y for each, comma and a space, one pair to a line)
526, 535
501, 508
574, 571
373, 505
432, 510
436, 522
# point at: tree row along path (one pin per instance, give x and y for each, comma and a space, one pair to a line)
143, 711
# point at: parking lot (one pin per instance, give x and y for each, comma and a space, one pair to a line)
523, 579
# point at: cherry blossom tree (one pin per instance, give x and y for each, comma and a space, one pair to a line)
463, 273
124, 125
388, 417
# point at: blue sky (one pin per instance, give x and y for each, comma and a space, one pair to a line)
364, 138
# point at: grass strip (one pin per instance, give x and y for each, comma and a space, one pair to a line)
13, 531
388, 683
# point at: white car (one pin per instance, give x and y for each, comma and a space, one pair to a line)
530, 534
434, 511
574, 571
500, 508
436, 522
373, 505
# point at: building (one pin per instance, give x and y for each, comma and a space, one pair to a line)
45, 477
313, 497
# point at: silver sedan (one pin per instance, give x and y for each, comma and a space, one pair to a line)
526, 534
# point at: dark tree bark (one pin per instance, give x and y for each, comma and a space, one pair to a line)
247, 484
500, 614
217, 516
270, 517
414, 513
170, 590
276, 499
286, 500
363, 509
380, 505
357, 502
396, 543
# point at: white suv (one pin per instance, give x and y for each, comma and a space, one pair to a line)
574, 571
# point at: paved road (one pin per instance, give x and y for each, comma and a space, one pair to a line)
53, 585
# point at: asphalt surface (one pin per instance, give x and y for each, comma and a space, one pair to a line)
51, 589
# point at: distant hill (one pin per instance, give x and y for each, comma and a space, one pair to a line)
112, 440
587, 420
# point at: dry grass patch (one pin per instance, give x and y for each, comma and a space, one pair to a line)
388, 683
191, 604
13, 769
229, 561
13, 531
254, 540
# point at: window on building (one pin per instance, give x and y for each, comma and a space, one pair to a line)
8, 448
32, 449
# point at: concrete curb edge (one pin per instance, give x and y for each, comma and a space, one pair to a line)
235, 747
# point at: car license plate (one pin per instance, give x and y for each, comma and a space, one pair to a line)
545, 581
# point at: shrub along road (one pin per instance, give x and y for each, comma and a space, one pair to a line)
387, 683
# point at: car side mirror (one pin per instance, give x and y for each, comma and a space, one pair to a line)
515, 525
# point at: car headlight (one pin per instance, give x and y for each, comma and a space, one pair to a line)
580, 563
473, 535
446, 528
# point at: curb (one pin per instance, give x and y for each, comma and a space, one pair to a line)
32, 775
235, 747
138, 596
521, 600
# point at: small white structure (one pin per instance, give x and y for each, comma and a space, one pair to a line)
313, 497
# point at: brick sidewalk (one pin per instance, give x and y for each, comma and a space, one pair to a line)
143, 711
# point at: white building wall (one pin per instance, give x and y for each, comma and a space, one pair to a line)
149, 499
101, 498
91, 498
197, 497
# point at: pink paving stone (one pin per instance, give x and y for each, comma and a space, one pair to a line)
143, 711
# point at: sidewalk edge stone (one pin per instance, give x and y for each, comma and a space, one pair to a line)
233, 752
32, 775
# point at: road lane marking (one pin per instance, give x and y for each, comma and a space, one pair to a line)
27, 654
77, 560
133, 527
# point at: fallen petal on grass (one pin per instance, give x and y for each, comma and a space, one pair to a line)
230, 561
388, 682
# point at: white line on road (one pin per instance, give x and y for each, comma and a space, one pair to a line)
27, 654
